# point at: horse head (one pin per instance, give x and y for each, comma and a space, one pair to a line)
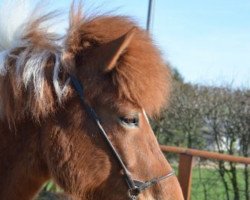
88, 101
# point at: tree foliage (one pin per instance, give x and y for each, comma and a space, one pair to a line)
210, 118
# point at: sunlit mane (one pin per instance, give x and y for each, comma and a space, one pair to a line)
34, 63
30, 61
140, 76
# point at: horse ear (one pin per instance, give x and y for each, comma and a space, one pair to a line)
111, 52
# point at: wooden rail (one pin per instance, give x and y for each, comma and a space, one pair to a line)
186, 164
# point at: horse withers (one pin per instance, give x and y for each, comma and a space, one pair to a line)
77, 110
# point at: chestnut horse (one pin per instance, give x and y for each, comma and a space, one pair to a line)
46, 132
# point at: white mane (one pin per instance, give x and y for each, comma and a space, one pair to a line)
16, 18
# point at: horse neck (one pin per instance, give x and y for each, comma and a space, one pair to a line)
22, 170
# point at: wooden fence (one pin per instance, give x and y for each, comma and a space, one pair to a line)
186, 163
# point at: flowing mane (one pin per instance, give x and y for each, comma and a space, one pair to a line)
139, 76
29, 63
34, 65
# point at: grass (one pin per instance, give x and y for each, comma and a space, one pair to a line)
207, 185
49, 191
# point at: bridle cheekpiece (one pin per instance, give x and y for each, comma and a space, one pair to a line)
135, 187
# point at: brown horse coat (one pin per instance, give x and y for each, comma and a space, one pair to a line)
45, 133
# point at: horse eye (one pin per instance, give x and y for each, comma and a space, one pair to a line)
129, 121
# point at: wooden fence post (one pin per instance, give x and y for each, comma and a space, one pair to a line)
186, 162
185, 174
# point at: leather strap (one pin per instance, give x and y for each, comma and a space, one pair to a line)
135, 186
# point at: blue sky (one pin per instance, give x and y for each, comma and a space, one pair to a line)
207, 41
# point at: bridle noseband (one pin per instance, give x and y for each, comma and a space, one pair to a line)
135, 186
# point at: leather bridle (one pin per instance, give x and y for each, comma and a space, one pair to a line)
135, 187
